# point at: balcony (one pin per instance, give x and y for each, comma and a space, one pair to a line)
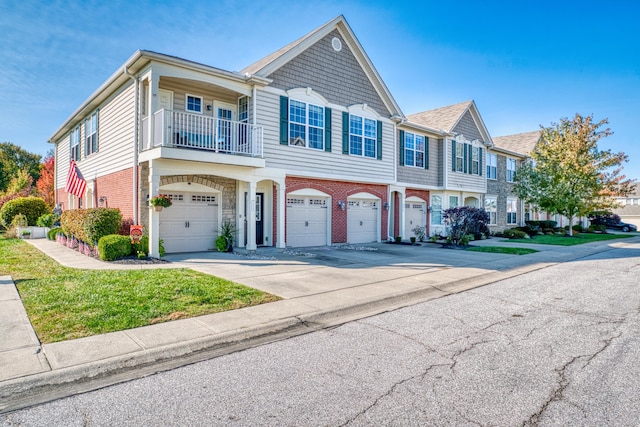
176, 129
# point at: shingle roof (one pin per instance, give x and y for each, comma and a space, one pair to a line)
518, 143
260, 64
444, 118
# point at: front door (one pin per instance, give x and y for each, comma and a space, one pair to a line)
259, 218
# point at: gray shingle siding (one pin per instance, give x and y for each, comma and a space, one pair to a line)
335, 75
468, 128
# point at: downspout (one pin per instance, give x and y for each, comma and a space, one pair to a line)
135, 143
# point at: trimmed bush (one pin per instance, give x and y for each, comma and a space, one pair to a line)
546, 224
51, 234
514, 234
31, 207
89, 225
114, 246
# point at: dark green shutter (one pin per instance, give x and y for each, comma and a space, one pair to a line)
426, 152
453, 156
345, 132
465, 161
379, 141
470, 159
401, 148
327, 129
284, 120
480, 161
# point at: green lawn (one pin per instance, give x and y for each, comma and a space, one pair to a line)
65, 303
502, 250
570, 241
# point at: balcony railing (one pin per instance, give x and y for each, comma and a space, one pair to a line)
195, 131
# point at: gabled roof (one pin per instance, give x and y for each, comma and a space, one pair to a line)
446, 118
523, 143
271, 63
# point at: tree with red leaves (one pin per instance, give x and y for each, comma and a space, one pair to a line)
45, 183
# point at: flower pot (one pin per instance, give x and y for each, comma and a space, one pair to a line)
157, 208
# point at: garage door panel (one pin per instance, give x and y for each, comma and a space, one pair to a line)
307, 219
362, 220
191, 223
414, 216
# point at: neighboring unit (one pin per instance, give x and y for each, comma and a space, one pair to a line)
458, 157
629, 210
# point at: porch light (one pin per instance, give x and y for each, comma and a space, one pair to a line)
386, 205
341, 205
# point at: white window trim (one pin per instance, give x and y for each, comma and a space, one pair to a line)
415, 150
460, 148
363, 137
492, 166
512, 203
433, 210
186, 103
88, 147
494, 210
75, 147
510, 176
307, 125
457, 204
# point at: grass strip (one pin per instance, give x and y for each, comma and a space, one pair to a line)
570, 240
66, 303
502, 250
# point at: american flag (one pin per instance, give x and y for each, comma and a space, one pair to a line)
76, 184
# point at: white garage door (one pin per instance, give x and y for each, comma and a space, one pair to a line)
414, 215
191, 223
362, 221
307, 221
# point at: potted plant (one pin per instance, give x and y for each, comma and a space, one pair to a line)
160, 201
224, 242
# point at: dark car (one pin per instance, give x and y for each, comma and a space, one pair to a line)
613, 223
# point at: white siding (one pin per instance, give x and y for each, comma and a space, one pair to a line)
62, 161
298, 160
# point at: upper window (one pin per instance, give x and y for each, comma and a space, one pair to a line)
75, 144
363, 134
511, 169
475, 161
459, 157
306, 125
414, 150
492, 166
243, 109
91, 134
194, 104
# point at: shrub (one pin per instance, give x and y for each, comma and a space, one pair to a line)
101, 222
544, 224
47, 220
514, 234
89, 225
141, 247
466, 220
19, 220
598, 227
420, 232
31, 207
221, 244
114, 246
51, 234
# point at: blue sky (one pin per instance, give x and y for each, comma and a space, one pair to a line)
525, 64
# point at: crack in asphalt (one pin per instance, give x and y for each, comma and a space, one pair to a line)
563, 382
421, 375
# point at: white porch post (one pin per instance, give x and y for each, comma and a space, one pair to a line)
154, 217
281, 207
251, 217
153, 106
401, 198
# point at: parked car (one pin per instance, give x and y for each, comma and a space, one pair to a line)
613, 221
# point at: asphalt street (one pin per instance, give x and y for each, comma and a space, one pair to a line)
558, 346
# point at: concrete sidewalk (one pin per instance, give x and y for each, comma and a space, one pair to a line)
320, 287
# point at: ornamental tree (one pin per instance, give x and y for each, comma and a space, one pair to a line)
568, 174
